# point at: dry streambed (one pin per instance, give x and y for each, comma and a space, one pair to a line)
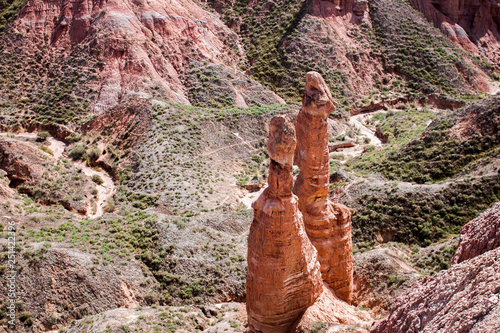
105, 190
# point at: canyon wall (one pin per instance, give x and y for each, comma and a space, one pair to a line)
474, 25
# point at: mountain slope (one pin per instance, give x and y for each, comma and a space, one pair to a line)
383, 50
63, 60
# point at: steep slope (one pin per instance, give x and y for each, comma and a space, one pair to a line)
384, 49
479, 235
474, 25
462, 299
62, 60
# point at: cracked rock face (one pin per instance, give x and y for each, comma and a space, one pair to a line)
283, 271
465, 298
479, 235
328, 225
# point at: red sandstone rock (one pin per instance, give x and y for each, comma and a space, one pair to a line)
465, 298
479, 235
283, 272
145, 48
330, 309
474, 25
328, 225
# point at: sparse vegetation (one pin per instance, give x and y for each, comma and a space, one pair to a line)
78, 152
42, 136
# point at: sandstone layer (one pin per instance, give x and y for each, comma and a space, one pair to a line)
283, 272
464, 298
479, 235
328, 225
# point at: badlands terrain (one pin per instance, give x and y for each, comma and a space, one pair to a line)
135, 137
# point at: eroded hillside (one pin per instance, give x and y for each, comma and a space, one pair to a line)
133, 144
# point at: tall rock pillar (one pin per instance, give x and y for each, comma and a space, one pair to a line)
283, 277
328, 225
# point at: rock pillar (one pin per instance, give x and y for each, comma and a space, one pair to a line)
283, 271
328, 225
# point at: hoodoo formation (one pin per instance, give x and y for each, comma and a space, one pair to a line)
328, 225
283, 271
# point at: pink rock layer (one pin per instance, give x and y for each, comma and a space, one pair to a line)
479, 235
464, 298
283, 277
328, 225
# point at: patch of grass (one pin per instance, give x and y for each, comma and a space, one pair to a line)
9, 10
46, 149
438, 154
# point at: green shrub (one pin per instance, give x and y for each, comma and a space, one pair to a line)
97, 179
24, 316
110, 206
94, 154
42, 136
78, 152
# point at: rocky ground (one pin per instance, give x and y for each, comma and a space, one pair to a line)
463, 298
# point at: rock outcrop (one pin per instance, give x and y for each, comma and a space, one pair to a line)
283, 272
474, 25
380, 276
464, 298
479, 235
328, 225
63, 283
36, 173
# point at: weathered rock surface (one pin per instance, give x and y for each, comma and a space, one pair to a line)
38, 174
381, 275
474, 25
142, 49
283, 272
477, 119
328, 225
231, 318
479, 235
465, 298
331, 311
60, 284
